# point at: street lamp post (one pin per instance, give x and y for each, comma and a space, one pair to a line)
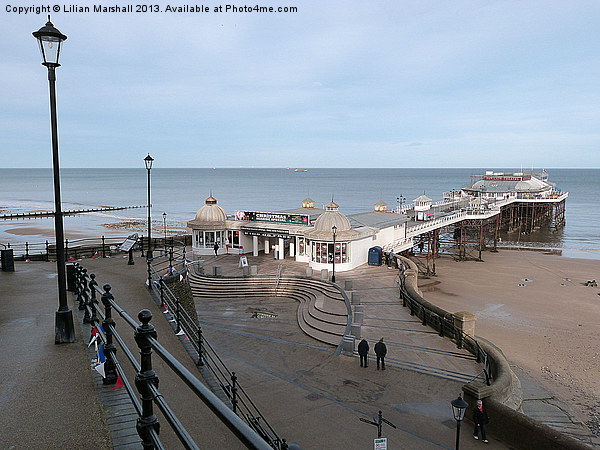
459, 406
165, 230
148, 161
50, 41
334, 231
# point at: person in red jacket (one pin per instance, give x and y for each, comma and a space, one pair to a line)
481, 420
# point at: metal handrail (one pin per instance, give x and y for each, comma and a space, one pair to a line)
213, 361
86, 292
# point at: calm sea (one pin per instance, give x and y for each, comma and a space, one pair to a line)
181, 192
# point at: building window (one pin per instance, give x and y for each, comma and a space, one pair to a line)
301, 247
324, 252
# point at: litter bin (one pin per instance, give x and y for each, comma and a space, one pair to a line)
375, 254
8, 260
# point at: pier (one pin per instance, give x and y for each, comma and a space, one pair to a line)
71, 212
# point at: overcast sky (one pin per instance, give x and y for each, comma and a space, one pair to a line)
356, 83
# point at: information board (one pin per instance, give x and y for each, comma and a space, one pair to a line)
129, 242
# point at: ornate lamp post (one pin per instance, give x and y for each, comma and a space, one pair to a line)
50, 41
165, 230
148, 161
334, 231
459, 406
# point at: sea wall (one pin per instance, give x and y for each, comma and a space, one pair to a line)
503, 397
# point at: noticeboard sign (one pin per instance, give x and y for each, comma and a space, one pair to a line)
129, 242
256, 216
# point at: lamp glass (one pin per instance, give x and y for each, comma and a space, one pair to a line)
148, 161
459, 407
50, 41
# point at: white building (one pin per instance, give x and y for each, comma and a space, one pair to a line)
308, 234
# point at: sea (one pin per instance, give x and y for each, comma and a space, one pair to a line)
181, 192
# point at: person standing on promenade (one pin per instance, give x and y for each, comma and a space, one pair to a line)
380, 351
363, 352
216, 248
481, 420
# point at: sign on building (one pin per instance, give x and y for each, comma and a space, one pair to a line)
255, 216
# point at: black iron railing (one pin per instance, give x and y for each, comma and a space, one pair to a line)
176, 265
443, 322
86, 291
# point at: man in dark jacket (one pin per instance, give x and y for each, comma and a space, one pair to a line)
380, 351
216, 248
481, 420
363, 351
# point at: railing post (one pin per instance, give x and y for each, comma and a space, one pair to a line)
78, 286
145, 378
47, 251
234, 400
161, 283
93, 300
110, 371
86, 298
178, 313
200, 348
66, 249
148, 263
103, 248
26, 250
142, 245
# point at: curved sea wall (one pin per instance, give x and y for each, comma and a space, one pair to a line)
503, 395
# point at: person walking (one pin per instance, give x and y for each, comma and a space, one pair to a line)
216, 248
363, 352
481, 420
380, 351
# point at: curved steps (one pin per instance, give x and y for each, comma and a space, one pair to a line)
322, 311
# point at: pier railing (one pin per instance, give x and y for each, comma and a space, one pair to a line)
164, 271
87, 292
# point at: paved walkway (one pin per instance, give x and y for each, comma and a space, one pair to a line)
310, 396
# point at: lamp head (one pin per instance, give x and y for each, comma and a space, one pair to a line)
50, 41
459, 406
148, 161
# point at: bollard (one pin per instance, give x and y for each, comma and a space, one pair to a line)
246, 271
358, 317
110, 371
309, 272
324, 274
355, 330
216, 271
355, 298
347, 285
254, 270
348, 342
146, 377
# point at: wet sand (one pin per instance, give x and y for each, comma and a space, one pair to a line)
536, 308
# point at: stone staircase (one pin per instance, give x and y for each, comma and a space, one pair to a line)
323, 313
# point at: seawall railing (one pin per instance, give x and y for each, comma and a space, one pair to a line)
86, 290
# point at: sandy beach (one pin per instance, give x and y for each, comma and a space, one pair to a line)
537, 309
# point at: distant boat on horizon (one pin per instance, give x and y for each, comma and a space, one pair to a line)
300, 170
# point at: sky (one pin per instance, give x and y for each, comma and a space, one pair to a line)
354, 83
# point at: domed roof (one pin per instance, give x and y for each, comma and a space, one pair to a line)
211, 212
332, 217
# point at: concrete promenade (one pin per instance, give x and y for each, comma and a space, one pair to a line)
48, 395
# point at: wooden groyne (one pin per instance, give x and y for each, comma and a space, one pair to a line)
71, 212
